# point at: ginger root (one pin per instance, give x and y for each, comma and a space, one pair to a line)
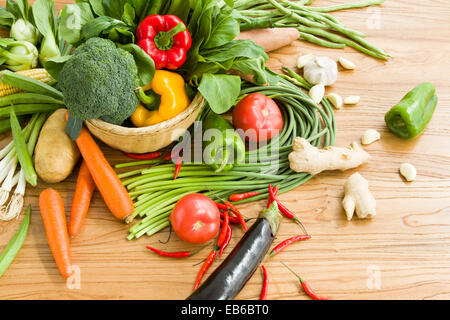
358, 198
312, 160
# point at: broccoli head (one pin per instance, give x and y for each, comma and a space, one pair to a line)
99, 81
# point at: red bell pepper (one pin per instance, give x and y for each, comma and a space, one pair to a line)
165, 39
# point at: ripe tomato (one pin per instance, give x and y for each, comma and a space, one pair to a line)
195, 218
260, 113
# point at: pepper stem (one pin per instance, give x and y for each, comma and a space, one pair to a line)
198, 250
150, 100
293, 272
164, 40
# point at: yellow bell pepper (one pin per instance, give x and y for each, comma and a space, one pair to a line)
174, 99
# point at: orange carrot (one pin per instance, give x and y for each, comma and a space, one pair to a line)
108, 183
81, 200
54, 217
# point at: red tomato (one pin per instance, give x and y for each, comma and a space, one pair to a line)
260, 113
195, 218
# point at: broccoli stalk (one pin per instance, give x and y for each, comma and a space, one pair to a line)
98, 82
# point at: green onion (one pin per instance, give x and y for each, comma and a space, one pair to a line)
22, 150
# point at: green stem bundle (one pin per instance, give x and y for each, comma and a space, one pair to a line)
155, 193
315, 24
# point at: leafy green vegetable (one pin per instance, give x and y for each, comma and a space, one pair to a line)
55, 65
6, 18
108, 27
20, 8
23, 30
144, 63
213, 25
97, 7
18, 55
72, 18
45, 19
220, 90
223, 30
18, 17
214, 51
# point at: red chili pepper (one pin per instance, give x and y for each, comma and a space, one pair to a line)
272, 193
243, 196
144, 156
221, 206
165, 39
265, 284
286, 243
237, 213
181, 254
287, 213
231, 219
227, 240
309, 291
168, 157
178, 164
209, 261
283, 209
223, 232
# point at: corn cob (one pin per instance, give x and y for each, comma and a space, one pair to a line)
38, 74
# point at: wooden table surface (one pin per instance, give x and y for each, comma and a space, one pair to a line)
403, 253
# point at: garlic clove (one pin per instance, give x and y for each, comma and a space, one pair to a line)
408, 171
317, 93
352, 100
303, 60
336, 100
370, 136
322, 62
346, 64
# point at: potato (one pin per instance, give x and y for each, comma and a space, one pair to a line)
56, 154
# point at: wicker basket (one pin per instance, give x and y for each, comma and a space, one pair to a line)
146, 139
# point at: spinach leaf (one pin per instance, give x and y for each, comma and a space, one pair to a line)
220, 91
97, 7
120, 35
234, 49
114, 8
179, 8
129, 14
255, 67
109, 27
224, 29
144, 63
55, 65
138, 5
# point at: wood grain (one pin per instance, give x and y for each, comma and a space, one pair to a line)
405, 245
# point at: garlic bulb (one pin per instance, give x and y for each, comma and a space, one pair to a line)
321, 70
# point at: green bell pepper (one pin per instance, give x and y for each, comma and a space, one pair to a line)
221, 153
412, 114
